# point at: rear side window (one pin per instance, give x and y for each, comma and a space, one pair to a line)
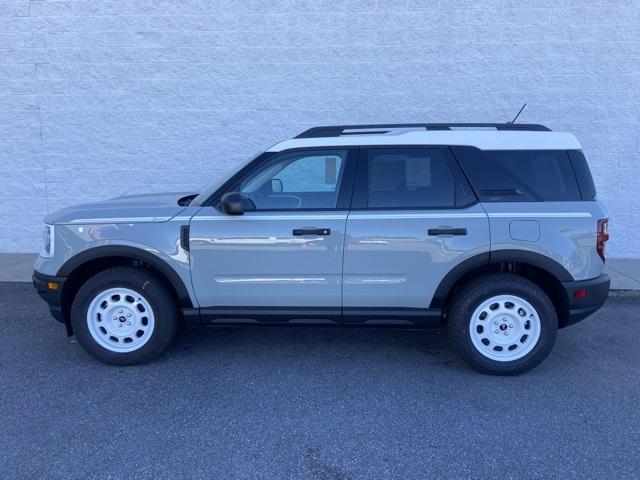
583, 175
519, 175
410, 178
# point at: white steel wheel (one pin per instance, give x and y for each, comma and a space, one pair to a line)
120, 320
505, 328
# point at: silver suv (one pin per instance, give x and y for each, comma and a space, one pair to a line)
491, 229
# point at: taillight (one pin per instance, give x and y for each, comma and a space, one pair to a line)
602, 237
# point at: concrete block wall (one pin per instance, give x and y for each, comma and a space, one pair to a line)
100, 98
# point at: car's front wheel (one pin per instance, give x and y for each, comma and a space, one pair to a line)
503, 324
124, 316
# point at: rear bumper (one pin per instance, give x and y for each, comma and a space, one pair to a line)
581, 305
52, 296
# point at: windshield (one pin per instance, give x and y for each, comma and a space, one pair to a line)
210, 189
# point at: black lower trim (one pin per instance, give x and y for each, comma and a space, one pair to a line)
579, 308
52, 297
413, 317
348, 316
268, 314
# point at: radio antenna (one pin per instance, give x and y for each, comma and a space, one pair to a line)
519, 112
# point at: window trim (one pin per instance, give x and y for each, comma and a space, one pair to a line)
361, 184
345, 188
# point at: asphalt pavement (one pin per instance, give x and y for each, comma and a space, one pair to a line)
314, 403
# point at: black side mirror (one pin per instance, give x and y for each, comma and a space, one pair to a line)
232, 203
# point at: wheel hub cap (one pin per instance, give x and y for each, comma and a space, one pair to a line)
120, 319
505, 328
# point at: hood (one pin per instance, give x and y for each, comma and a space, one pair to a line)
152, 207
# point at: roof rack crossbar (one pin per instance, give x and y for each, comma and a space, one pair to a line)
337, 130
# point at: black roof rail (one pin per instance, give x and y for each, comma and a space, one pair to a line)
337, 130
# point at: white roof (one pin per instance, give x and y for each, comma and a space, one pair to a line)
482, 139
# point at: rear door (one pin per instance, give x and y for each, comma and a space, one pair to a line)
413, 218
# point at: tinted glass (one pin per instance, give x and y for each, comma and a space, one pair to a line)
410, 178
583, 174
308, 180
519, 175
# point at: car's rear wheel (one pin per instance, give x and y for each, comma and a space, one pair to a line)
503, 324
124, 316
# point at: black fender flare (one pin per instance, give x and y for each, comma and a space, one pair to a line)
487, 258
134, 253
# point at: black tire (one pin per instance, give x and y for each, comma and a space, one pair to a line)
483, 288
154, 290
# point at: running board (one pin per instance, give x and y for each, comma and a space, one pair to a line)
314, 316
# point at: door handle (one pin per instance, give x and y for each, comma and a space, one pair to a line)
447, 231
311, 231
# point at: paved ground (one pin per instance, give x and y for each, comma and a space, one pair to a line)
624, 272
316, 403
15, 267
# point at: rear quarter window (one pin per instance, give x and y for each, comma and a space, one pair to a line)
519, 175
583, 175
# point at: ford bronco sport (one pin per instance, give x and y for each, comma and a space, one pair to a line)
491, 229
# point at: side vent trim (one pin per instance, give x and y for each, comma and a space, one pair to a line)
184, 237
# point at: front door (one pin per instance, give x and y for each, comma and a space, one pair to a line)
413, 219
284, 254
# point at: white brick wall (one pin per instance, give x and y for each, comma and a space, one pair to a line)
103, 97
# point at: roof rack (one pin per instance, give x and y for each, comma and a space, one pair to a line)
338, 130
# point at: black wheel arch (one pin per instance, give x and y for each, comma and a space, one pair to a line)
542, 270
87, 263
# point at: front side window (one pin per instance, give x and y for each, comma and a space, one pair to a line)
301, 180
412, 177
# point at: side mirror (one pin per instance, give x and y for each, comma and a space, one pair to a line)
232, 203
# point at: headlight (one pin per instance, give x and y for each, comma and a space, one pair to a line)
48, 238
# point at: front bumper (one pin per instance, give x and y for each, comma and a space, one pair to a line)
45, 286
585, 297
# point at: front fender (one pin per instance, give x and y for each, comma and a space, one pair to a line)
157, 244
